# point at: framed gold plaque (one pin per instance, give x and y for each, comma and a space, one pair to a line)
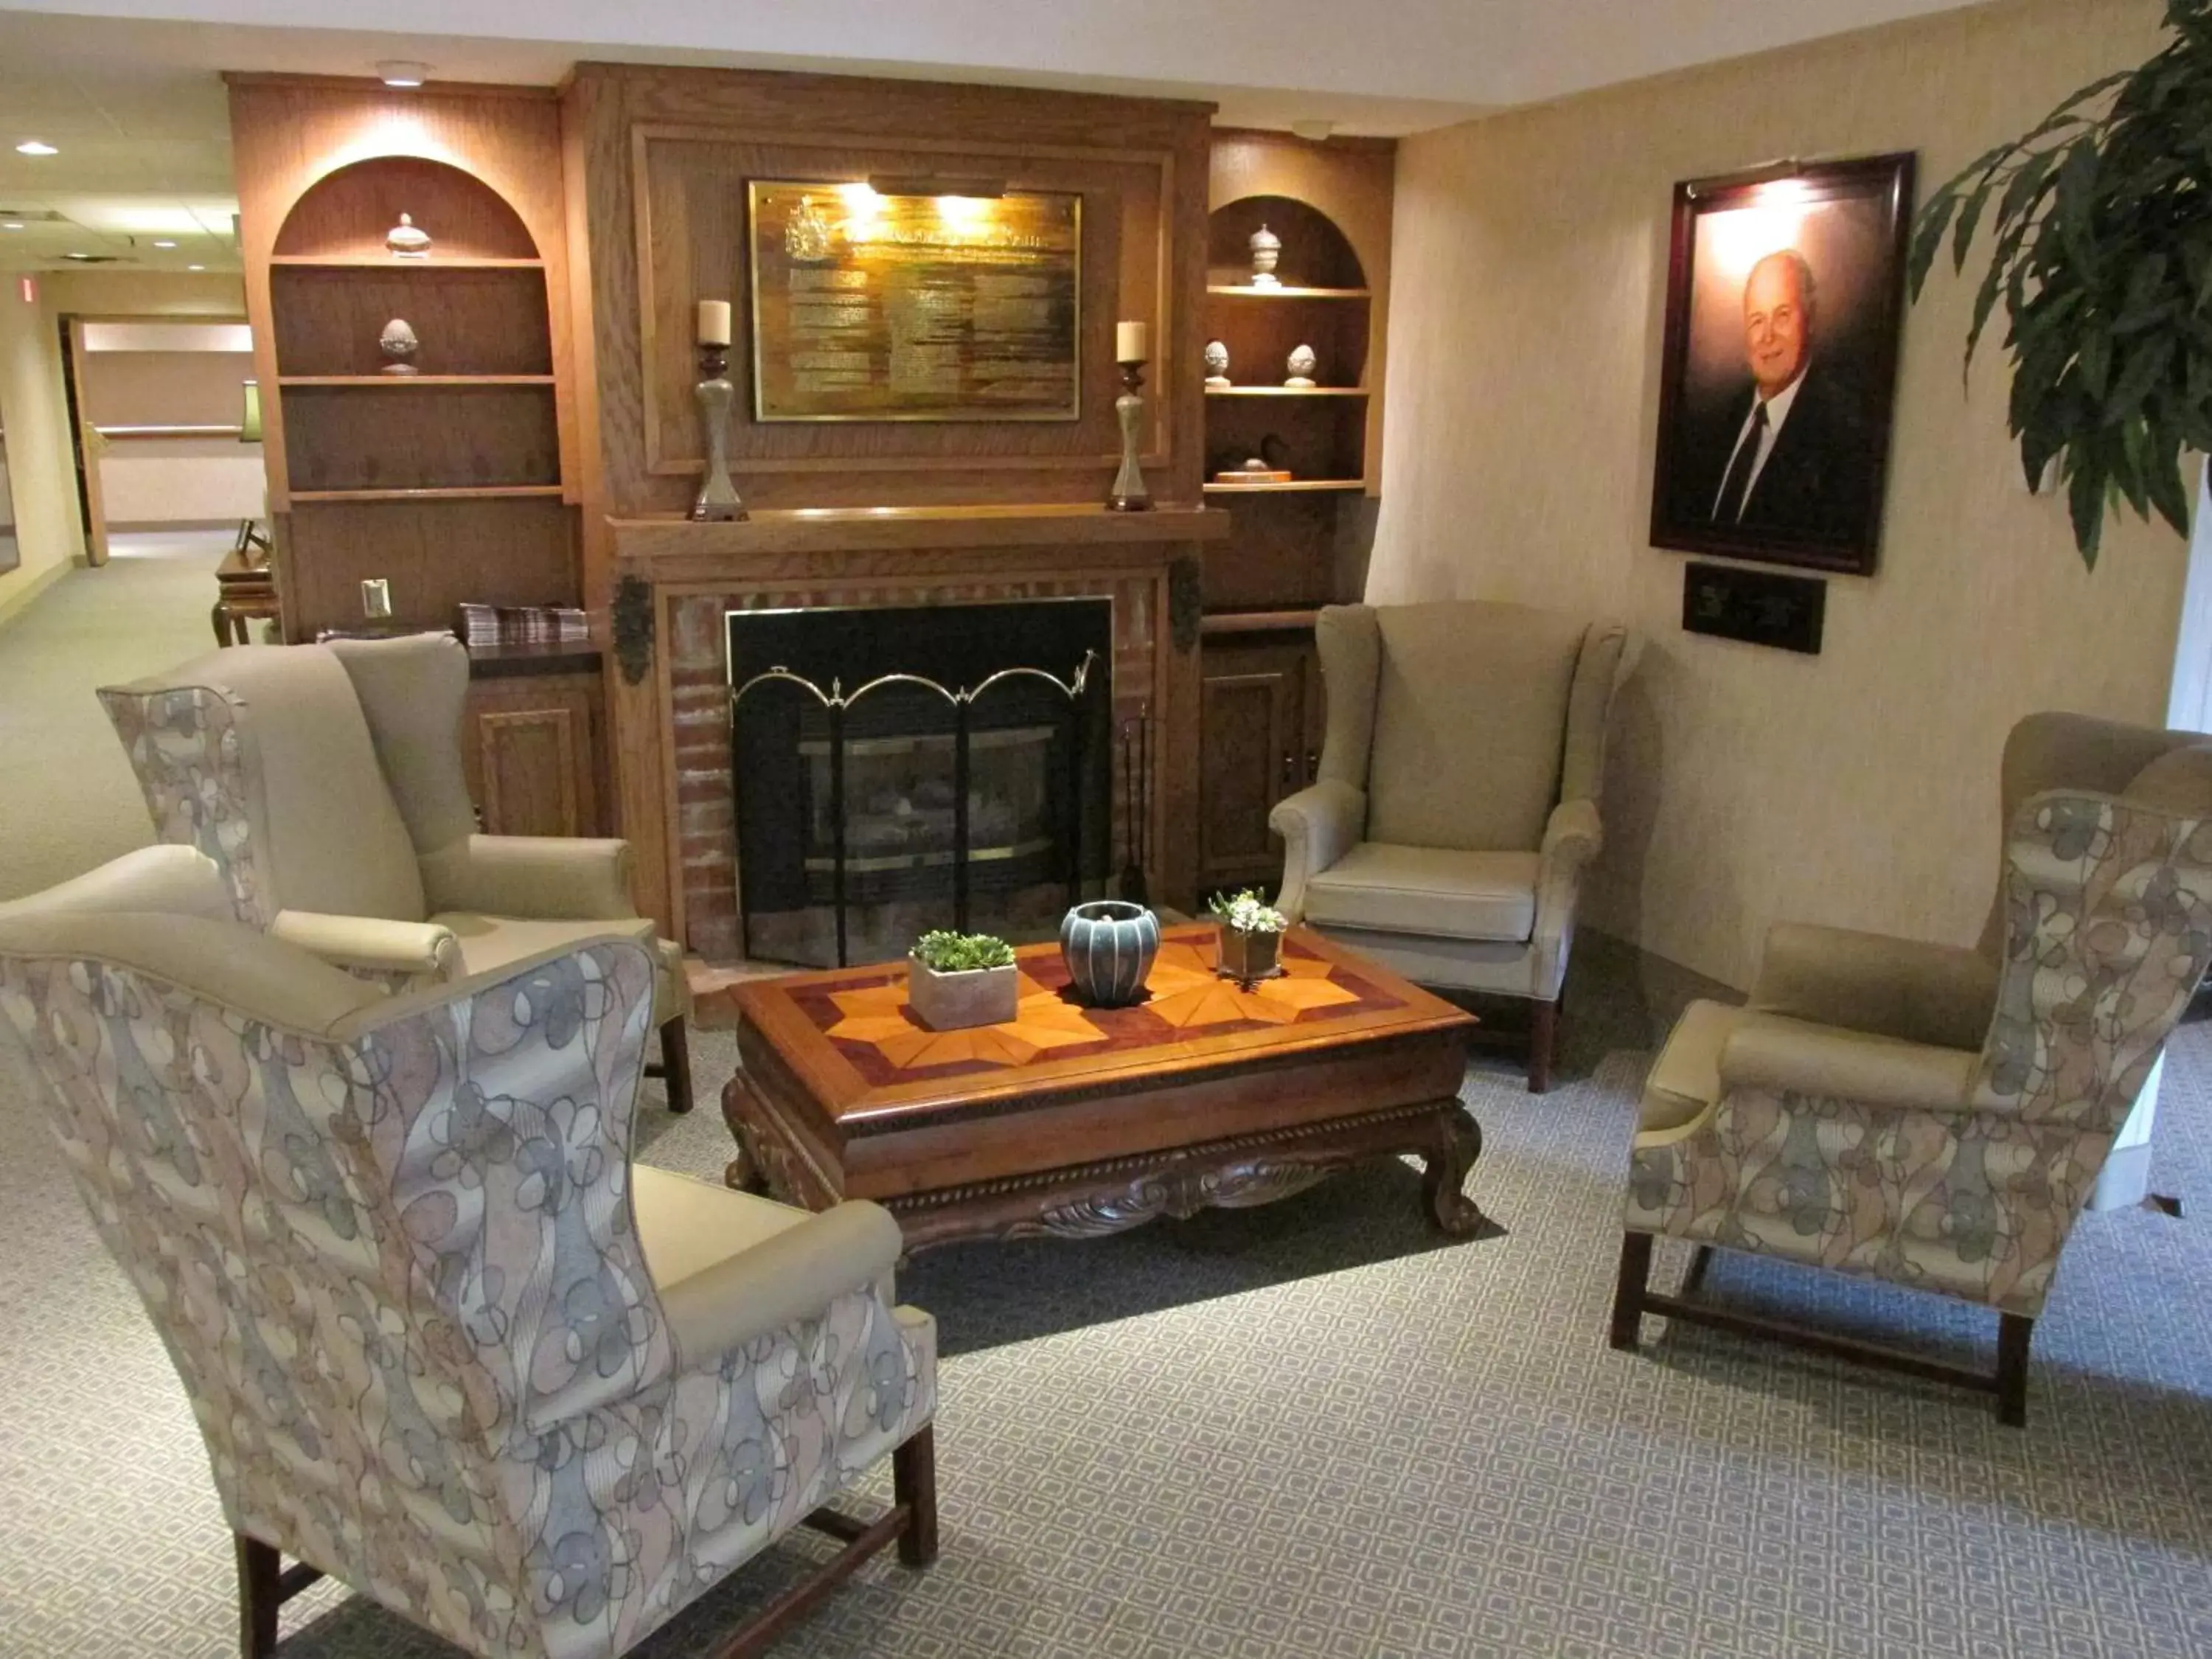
868, 307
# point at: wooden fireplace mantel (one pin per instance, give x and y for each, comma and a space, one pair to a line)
669, 549
674, 580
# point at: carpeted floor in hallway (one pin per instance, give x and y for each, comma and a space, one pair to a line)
68, 801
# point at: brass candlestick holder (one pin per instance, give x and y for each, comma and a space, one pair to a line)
718, 500
1129, 495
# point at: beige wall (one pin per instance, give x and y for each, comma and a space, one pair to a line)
40, 472
1750, 785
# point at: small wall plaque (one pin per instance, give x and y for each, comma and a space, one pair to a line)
1757, 606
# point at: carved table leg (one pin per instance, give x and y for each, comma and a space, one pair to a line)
743, 1173
1458, 1144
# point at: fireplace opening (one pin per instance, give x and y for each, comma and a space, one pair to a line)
900, 769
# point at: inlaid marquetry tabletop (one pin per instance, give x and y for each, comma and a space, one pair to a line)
1073, 1118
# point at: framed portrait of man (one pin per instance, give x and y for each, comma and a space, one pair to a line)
1784, 293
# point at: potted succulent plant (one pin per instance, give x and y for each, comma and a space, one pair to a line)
962, 979
1251, 934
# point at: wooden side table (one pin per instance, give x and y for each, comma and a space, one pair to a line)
246, 592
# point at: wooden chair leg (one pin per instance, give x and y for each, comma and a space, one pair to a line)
1629, 1290
676, 1065
258, 1597
1695, 1280
1543, 1029
2014, 1331
913, 1483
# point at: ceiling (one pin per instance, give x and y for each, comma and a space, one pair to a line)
128, 90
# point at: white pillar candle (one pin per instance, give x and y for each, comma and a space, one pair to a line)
714, 322
1129, 342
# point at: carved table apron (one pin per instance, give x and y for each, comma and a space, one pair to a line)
1076, 1122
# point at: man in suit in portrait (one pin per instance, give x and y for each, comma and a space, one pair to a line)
1789, 455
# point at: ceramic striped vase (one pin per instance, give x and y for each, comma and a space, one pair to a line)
1109, 945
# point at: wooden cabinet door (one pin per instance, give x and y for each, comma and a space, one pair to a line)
1253, 715
531, 749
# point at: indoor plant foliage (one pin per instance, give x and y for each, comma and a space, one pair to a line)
2100, 228
962, 979
1251, 932
947, 953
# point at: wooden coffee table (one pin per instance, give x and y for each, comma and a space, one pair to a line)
1078, 1121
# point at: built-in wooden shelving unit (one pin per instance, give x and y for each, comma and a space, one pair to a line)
1299, 543
454, 484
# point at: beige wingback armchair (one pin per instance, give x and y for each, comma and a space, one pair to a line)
1457, 801
326, 782
1932, 1115
445, 1342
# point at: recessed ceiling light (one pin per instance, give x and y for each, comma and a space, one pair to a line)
165, 242
195, 267
32, 147
399, 72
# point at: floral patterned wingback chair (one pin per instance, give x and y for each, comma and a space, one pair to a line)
326, 783
445, 1343
1938, 1116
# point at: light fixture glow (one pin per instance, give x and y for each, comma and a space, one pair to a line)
165, 242
195, 267
32, 147
1313, 130
400, 72
11, 224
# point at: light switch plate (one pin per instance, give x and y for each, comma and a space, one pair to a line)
376, 598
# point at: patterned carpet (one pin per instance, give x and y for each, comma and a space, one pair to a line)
1313, 1430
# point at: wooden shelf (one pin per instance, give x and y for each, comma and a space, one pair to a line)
444, 492
1245, 291
389, 380
1287, 392
1256, 621
1296, 486
393, 262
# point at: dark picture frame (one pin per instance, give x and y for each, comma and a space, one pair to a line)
1786, 292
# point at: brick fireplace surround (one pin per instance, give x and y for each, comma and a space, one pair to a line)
676, 580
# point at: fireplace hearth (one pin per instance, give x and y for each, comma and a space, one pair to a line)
899, 769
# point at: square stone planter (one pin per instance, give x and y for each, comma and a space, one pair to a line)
1247, 957
951, 1002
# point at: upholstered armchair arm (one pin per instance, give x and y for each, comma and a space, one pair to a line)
400, 953
552, 878
1789, 1055
1573, 836
793, 1275
1891, 988
1318, 825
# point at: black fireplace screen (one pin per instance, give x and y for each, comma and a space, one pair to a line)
904, 768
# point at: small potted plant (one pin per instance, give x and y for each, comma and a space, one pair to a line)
962, 979
1251, 934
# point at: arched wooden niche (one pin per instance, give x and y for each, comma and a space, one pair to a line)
346, 213
1316, 253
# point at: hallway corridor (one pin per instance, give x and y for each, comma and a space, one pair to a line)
67, 798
